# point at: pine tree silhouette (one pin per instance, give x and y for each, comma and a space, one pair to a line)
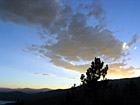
95, 72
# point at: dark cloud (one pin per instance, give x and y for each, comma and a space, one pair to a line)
96, 9
35, 12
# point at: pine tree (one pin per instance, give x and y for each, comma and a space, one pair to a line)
95, 72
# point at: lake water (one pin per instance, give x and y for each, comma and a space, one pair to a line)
5, 102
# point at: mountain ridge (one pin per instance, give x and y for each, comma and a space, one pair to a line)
24, 90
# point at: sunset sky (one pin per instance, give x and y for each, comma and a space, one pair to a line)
49, 43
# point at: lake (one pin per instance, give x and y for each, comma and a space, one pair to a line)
5, 102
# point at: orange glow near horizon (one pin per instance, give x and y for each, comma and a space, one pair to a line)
137, 74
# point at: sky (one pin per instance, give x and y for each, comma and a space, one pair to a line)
50, 43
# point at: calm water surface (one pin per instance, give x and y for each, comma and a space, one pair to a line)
4, 102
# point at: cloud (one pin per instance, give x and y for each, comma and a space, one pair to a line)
119, 69
69, 37
134, 40
135, 48
48, 74
96, 9
47, 14
29, 11
36, 73
69, 66
81, 43
138, 68
44, 74
39, 57
23, 50
75, 78
126, 46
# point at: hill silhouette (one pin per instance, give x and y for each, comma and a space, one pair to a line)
25, 90
119, 92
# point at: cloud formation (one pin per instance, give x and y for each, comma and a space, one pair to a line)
126, 46
35, 12
119, 69
69, 36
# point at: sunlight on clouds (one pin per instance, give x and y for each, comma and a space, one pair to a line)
48, 75
134, 39
125, 46
135, 48
120, 70
72, 63
121, 67
39, 57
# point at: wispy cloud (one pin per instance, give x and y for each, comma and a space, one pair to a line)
126, 46
48, 75
44, 74
74, 78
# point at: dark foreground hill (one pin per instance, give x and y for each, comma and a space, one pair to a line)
117, 92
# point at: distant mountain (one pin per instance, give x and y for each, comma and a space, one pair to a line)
118, 94
25, 90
